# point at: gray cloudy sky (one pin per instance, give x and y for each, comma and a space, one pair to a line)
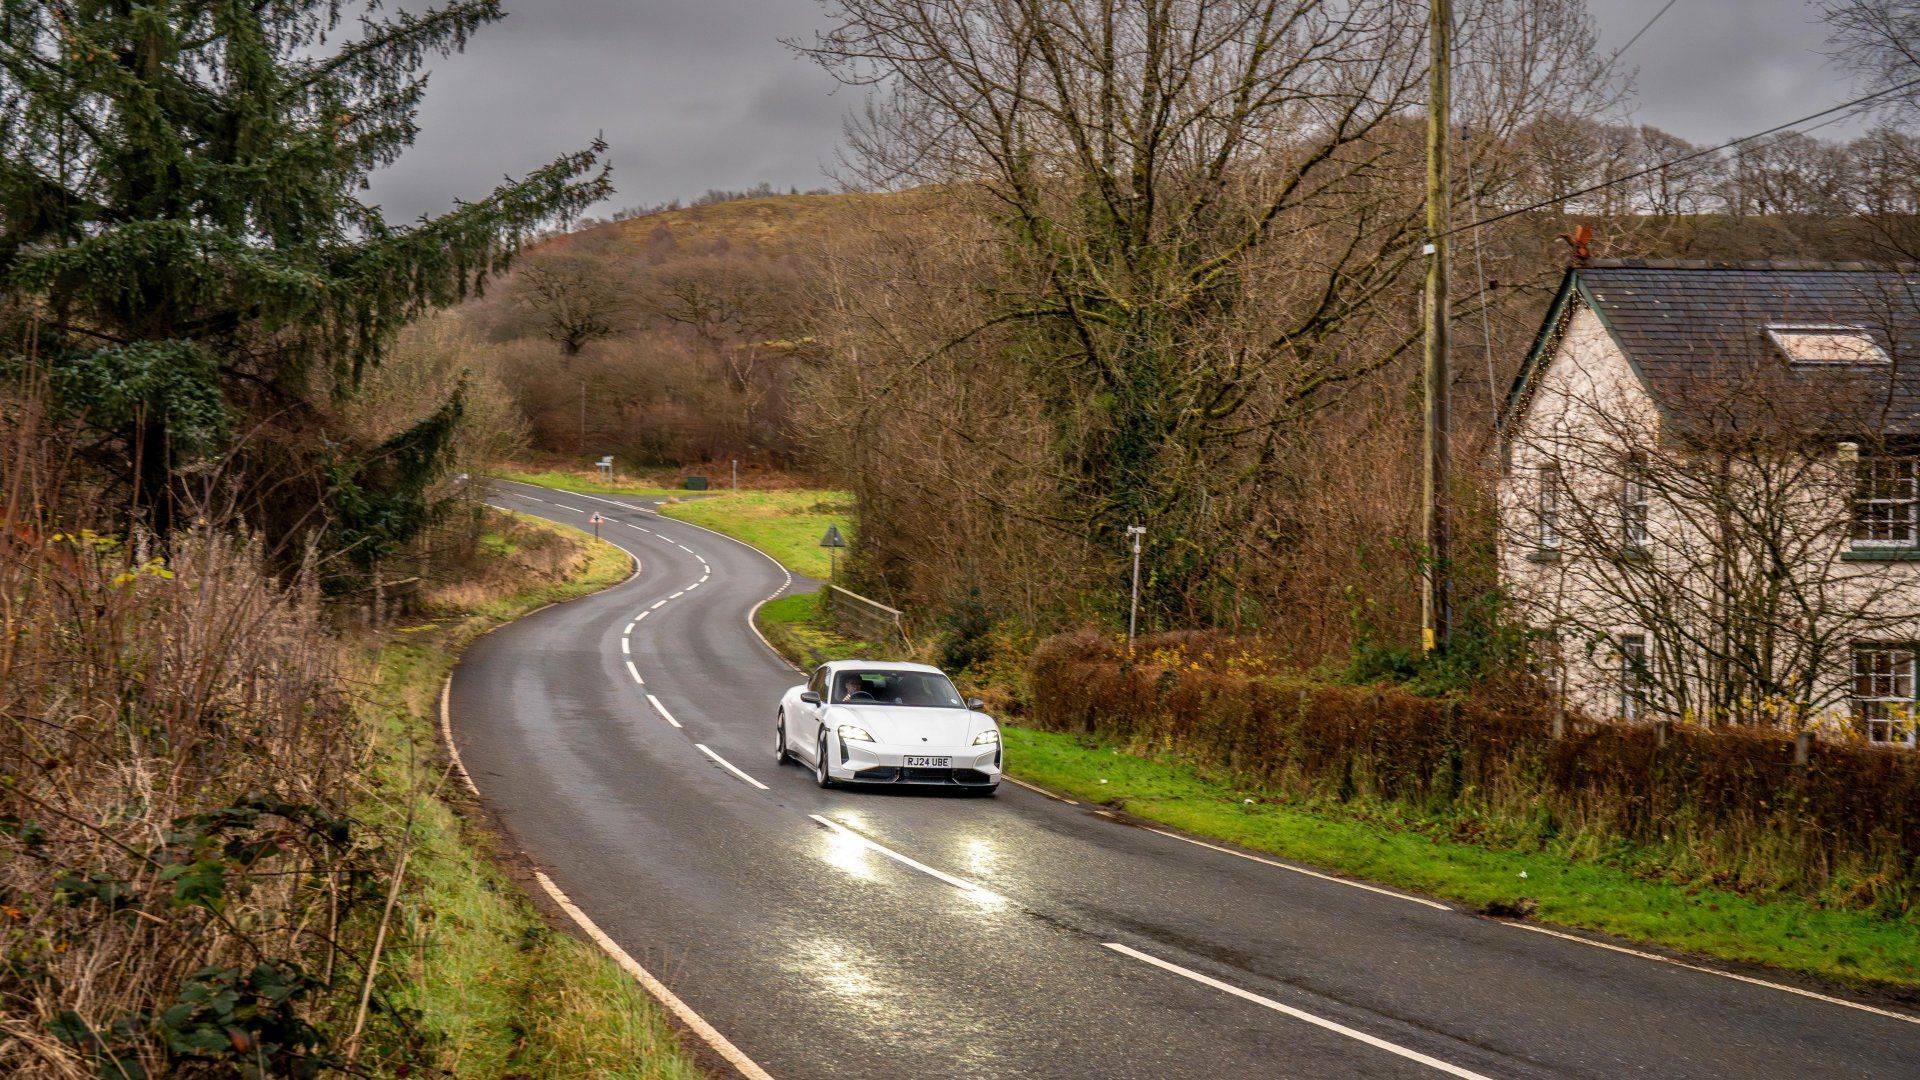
698, 94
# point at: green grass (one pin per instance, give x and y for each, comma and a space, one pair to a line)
587, 483
797, 628
495, 991
787, 525
1845, 946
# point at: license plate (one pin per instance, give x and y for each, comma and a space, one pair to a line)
929, 762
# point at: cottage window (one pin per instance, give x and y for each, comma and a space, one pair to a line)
1633, 676
1886, 502
1549, 508
1883, 693
1633, 503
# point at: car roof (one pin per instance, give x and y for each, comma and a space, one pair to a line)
882, 665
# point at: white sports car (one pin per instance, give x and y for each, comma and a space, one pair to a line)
859, 722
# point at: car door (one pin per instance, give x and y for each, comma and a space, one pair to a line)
808, 732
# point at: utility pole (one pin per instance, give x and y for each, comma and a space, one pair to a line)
1133, 609
583, 416
1436, 601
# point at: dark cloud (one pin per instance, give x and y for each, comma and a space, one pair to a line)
698, 94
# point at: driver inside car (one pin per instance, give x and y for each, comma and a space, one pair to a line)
852, 685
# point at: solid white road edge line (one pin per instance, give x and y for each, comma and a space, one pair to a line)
707, 1032
722, 762
446, 733
662, 710
1299, 869
635, 672
1863, 1007
959, 883
1298, 1014
1038, 790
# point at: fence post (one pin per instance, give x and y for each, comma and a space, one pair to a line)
1802, 749
1660, 730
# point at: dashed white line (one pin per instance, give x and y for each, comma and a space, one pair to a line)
1296, 869
564, 506
707, 1032
658, 604
695, 585
629, 629
1299, 1014
727, 765
959, 883
642, 615
662, 710
678, 595
626, 645
1890, 1014
635, 672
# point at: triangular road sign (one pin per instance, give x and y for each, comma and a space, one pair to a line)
832, 539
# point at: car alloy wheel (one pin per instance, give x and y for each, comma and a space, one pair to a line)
820, 774
781, 755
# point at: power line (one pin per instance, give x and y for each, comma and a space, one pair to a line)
1684, 158
1638, 34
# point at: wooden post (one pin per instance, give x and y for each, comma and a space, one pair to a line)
1661, 728
1436, 608
1802, 749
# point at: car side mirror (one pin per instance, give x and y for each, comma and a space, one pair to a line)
809, 697
974, 704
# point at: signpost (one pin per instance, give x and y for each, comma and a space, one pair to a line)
596, 520
736, 474
832, 542
605, 465
1133, 609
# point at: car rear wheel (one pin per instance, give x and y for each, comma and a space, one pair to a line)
781, 755
820, 774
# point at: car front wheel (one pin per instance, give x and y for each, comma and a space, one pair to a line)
781, 755
820, 774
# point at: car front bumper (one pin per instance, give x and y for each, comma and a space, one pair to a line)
880, 763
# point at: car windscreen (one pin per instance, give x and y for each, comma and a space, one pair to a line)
920, 688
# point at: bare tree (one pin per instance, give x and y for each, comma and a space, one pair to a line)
573, 296
1206, 215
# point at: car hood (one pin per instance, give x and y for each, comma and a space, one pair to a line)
909, 725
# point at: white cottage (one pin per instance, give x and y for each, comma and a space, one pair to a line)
1710, 494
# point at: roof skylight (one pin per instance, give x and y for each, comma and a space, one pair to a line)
1808, 344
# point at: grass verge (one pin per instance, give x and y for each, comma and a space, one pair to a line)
587, 483
799, 630
491, 990
787, 525
1843, 946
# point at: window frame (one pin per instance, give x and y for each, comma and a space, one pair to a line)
1631, 678
1864, 496
1636, 502
1546, 508
1900, 687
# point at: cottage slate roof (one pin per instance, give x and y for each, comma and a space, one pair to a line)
1685, 324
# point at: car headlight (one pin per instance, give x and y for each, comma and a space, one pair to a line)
987, 737
853, 733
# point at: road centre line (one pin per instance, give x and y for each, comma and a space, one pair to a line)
564, 506
629, 628
678, 595
724, 763
668, 717
707, 1032
959, 883
635, 672
1610, 947
658, 604
1299, 1014
1296, 869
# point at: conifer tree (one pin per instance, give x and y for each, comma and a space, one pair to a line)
186, 255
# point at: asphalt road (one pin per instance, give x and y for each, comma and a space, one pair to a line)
930, 935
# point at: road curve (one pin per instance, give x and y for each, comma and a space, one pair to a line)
625, 741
